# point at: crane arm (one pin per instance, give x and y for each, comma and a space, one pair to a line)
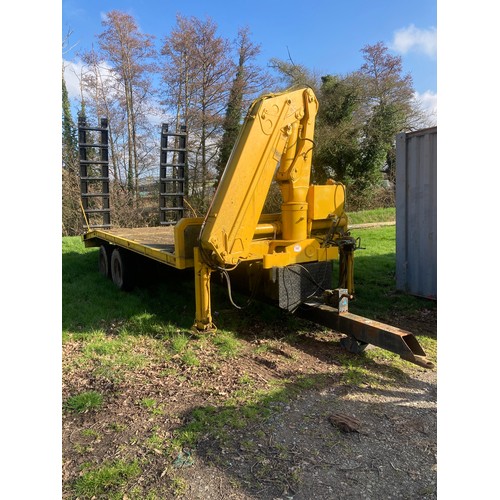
275, 142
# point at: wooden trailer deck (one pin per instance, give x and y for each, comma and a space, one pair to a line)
165, 244
159, 238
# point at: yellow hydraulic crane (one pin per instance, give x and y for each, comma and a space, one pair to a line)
275, 143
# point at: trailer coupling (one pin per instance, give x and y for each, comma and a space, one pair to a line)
362, 331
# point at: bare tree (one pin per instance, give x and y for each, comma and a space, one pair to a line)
98, 91
178, 69
197, 74
384, 82
130, 55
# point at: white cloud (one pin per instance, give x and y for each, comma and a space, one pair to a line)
428, 103
72, 75
414, 39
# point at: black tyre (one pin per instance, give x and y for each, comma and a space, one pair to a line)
121, 269
353, 345
105, 261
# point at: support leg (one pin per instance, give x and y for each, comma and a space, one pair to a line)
346, 265
203, 320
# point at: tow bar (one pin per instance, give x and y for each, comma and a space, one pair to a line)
362, 331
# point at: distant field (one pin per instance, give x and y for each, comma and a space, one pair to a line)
377, 215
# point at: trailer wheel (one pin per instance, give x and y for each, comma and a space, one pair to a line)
121, 270
353, 345
105, 261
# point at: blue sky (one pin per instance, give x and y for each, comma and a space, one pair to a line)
325, 35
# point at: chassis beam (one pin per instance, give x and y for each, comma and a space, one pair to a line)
367, 331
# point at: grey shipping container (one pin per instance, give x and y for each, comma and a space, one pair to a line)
416, 212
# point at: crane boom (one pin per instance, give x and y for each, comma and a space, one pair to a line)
275, 142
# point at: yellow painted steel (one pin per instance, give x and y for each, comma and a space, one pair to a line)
97, 236
326, 201
278, 130
294, 171
202, 272
276, 141
346, 265
284, 253
186, 234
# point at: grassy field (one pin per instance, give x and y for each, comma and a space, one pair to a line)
131, 363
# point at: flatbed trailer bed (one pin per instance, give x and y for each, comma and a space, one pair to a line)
159, 240
171, 245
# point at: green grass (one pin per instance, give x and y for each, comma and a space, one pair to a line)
227, 344
375, 276
93, 308
152, 406
179, 486
90, 433
115, 356
91, 302
85, 401
179, 343
114, 326
376, 215
109, 479
189, 358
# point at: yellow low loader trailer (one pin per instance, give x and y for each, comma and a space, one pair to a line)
285, 257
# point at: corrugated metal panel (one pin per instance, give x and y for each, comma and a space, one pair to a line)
416, 212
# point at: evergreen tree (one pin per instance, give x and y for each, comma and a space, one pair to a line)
69, 138
390, 108
82, 112
231, 123
248, 81
70, 208
338, 129
232, 120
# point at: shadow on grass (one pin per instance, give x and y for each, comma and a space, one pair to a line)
90, 300
165, 296
163, 293
281, 443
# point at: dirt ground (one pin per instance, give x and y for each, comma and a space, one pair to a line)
385, 449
